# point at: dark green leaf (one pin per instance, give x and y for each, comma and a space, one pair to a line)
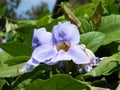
39, 69
16, 49
1, 84
2, 11
26, 32
58, 82
114, 9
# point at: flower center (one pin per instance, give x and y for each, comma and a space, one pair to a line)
63, 45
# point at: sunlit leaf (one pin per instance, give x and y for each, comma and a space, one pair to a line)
24, 23
43, 21
2, 34
10, 71
10, 26
4, 56
110, 25
84, 9
16, 60
92, 40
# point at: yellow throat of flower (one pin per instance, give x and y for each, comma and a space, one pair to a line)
63, 45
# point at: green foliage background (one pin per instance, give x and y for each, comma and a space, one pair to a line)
100, 32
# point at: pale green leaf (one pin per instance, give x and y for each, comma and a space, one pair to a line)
16, 60
10, 71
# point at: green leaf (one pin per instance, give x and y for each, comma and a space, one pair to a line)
2, 11
84, 9
16, 49
85, 25
105, 67
1, 84
92, 40
110, 25
43, 20
10, 71
26, 32
3, 57
118, 59
25, 23
16, 60
44, 13
95, 1
31, 75
2, 34
58, 82
109, 2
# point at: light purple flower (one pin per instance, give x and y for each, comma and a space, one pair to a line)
40, 38
65, 37
62, 46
